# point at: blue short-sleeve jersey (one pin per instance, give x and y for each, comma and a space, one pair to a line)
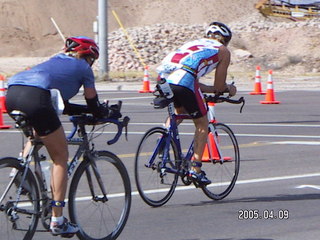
62, 72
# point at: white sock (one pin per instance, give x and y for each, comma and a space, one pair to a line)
58, 220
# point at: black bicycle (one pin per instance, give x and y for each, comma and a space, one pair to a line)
99, 193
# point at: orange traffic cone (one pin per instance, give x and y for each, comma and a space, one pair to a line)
270, 96
2, 125
2, 95
212, 152
257, 85
146, 82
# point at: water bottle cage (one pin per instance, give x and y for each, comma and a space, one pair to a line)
158, 92
161, 100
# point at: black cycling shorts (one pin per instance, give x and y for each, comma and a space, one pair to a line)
192, 102
36, 104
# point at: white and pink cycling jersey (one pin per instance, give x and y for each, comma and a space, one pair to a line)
190, 62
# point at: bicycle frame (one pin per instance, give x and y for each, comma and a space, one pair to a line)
83, 150
173, 133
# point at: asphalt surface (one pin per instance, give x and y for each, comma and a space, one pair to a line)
277, 194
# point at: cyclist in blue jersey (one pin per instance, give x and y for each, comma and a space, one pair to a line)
183, 68
29, 92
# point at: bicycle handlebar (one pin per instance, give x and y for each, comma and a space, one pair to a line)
86, 119
220, 99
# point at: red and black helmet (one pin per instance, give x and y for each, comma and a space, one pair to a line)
83, 45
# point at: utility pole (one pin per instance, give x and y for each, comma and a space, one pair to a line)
103, 38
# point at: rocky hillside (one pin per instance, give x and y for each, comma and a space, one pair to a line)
257, 41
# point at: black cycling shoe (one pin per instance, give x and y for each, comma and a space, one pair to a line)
200, 178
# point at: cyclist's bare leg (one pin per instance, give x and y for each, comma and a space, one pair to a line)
57, 148
200, 136
180, 110
200, 139
26, 149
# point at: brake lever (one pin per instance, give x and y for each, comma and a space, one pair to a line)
125, 123
243, 103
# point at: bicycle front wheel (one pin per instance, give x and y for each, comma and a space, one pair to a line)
221, 161
155, 185
19, 214
99, 215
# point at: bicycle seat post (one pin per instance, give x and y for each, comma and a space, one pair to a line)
211, 112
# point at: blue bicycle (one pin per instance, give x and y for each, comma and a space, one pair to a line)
160, 161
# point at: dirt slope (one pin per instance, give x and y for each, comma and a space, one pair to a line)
26, 28
27, 31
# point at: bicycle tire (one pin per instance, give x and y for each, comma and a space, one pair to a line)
223, 174
154, 190
100, 219
27, 216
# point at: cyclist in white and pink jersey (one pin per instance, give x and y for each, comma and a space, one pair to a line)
183, 68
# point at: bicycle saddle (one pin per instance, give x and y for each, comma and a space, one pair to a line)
22, 122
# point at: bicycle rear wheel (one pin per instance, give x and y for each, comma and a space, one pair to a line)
155, 187
100, 216
20, 222
221, 161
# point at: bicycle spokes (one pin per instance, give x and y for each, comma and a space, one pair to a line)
19, 204
226, 159
153, 163
213, 152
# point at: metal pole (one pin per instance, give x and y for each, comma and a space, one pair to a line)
103, 38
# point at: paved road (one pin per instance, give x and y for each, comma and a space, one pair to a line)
279, 174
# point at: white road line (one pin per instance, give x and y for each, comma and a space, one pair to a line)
237, 135
273, 125
239, 182
234, 124
309, 186
312, 143
275, 135
125, 98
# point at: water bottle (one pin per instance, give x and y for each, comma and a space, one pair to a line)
46, 173
165, 88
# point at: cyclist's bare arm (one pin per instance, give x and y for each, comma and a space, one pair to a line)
220, 85
90, 93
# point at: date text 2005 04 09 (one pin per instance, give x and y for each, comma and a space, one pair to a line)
252, 214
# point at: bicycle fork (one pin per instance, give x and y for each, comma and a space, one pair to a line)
215, 154
95, 197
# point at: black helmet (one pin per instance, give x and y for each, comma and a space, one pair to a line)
222, 29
